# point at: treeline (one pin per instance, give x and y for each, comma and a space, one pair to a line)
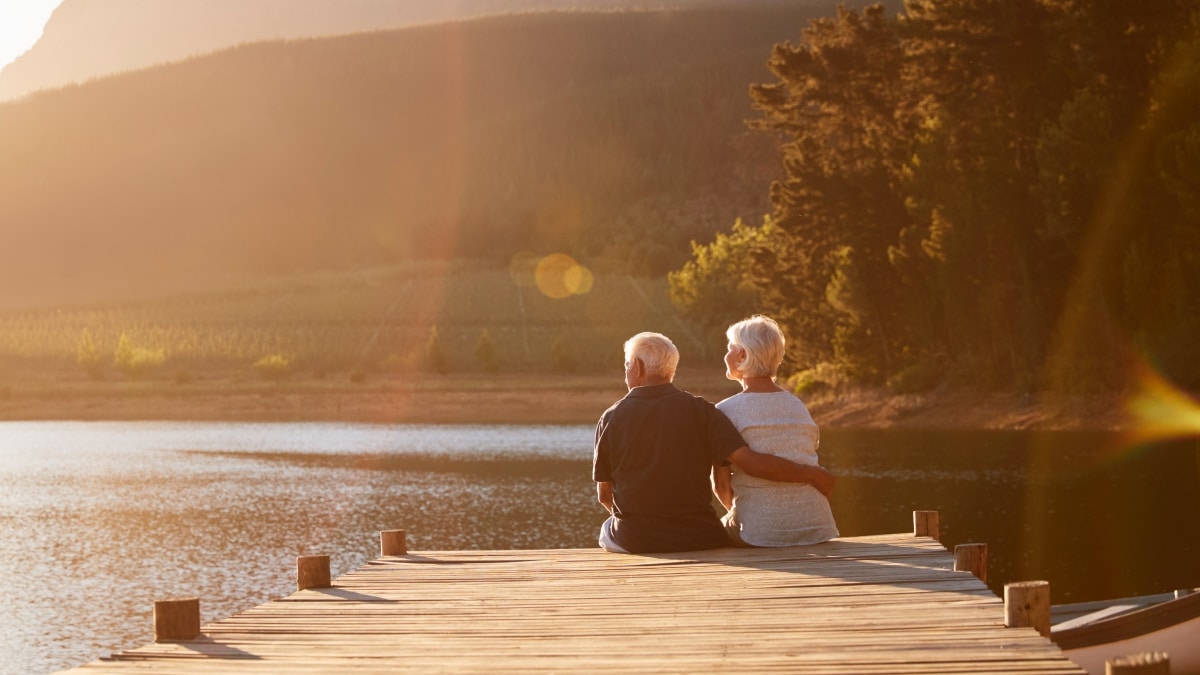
613, 137
993, 192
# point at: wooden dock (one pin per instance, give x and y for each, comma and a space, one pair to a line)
880, 604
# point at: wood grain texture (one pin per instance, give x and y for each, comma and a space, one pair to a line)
880, 604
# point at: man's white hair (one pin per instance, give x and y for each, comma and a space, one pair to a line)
763, 342
656, 352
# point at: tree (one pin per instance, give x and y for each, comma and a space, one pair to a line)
136, 362
840, 107
485, 352
978, 188
716, 287
88, 356
1134, 70
273, 367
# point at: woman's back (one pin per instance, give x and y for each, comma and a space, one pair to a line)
766, 513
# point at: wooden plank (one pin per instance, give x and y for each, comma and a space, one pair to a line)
880, 604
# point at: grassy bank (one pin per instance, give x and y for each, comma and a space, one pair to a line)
513, 399
436, 399
355, 346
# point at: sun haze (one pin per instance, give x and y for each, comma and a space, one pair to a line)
21, 25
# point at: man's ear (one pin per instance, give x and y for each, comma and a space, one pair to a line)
637, 372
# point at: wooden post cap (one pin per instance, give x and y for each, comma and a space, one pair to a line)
312, 571
1146, 663
1027, 604
393, 542
176, 620
971, 558
925, 524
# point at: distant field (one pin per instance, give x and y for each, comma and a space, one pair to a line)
377, 320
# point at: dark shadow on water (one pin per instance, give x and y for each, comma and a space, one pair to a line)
1089, 512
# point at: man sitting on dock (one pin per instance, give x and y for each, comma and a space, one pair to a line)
654, 453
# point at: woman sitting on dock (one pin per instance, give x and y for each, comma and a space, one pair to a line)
772, 421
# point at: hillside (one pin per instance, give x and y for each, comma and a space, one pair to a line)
379, 320
86, 39
616, 137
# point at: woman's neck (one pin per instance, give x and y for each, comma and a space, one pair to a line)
760, 385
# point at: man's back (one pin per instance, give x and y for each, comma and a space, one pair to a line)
657, 446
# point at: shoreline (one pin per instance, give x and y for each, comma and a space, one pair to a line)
520, 399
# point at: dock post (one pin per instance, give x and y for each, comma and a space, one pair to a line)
393, 542
312, 571
925, 524
971, 558
1027, 604
176, 620
1146, 663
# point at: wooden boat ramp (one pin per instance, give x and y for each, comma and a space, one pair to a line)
877, 604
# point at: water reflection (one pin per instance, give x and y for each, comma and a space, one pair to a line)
1096, 519
101, 519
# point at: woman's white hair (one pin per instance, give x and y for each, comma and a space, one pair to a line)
763, 343
656, 352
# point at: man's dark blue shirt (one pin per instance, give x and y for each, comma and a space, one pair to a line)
657, 447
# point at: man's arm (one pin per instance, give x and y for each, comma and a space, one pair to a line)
722, 486
604, 495
780, 470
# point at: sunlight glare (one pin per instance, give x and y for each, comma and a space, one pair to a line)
1159, 410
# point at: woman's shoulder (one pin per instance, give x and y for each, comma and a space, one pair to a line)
733, 402
765, 403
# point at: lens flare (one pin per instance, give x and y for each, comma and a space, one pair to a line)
1159, 410
579, 280
559, 276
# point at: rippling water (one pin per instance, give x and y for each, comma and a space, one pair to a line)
99, 520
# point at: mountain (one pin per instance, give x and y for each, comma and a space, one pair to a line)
86, 39
615, 137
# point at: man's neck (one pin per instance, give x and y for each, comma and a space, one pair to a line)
652, 382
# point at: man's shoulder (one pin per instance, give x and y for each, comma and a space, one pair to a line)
731, 402
607, 415
625, 404
641, 402
686, 399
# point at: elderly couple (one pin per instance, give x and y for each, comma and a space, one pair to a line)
662, 452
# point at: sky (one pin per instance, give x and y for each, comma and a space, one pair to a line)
21, 23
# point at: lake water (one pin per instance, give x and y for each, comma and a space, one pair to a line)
99, 520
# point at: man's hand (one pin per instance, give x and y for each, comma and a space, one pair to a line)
780, 470
604, 495
823, 481
722, 486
